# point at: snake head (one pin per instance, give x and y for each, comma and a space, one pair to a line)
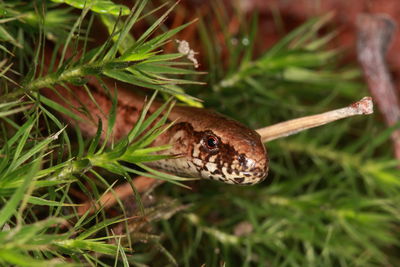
234, 157
215, 147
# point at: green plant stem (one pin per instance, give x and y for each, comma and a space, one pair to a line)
75, 166
49, 80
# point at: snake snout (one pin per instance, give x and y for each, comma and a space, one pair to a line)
253, 168
254, 172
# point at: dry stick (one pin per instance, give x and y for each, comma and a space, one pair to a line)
375, 33
283, 129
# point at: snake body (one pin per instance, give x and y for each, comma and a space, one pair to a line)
210, 145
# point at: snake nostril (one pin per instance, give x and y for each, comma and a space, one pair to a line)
245, 162
242, 159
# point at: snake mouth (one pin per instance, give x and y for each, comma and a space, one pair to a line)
261, 175
251, 177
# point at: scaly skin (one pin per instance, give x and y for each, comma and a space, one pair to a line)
210, 145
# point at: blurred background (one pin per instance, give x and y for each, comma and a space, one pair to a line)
278, 17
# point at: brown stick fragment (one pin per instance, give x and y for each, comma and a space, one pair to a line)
375, 33
286, 128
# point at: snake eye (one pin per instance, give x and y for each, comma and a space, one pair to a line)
210, 142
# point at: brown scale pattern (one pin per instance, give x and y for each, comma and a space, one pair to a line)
240, 158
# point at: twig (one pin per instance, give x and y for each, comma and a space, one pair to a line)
375, 33
283, 129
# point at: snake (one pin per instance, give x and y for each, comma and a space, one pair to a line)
210, 145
